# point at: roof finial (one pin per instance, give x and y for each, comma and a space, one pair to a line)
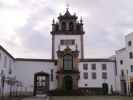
81, 21
67, 8
53, 21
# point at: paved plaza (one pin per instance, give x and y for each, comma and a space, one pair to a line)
37, 98
80, 98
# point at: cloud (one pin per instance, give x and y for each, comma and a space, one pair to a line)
26, 25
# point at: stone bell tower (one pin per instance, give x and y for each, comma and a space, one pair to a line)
67, 49
67, 31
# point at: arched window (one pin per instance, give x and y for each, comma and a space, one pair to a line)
63, 26
68, 62
71, 26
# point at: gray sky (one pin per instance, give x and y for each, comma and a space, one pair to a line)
25, 25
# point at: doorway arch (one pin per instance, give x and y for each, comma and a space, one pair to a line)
68, 83
105, 88
41, 83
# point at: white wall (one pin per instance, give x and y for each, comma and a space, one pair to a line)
120, 55
77, 39
5, 65
25, 71
129, 61
123, 54
98, 81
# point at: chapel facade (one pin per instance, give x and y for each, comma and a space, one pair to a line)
68, 70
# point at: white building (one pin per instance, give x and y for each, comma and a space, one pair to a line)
68, 69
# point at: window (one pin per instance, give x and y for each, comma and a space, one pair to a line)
71, 26
131, 68
63, 26
5, 61
85, 66
130, 55
2, 72
86, 84
104, 75
55, 63
121, 62
129, 43
85, 75
68, 62
104, 67
94, 75
10, 67
67, 42
122, 72
93, 66
52, 74
0, 56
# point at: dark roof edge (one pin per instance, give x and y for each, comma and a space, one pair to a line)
6, 52
31, 59
97, 60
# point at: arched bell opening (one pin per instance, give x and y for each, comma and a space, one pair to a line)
63, 26
71, 26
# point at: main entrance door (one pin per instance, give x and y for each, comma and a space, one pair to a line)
41, 83
105, 88
68, 83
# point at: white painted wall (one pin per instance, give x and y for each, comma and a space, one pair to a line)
123, 54
5, 65
25, 71
120, 55
77, 39
98, 81
129, 61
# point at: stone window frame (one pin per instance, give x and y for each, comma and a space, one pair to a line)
0, 55
131, 68
85, 75
104, 75
104, 66
52, 74
67, 42
5, 61
93, 66
85, 66
69, 61
131, 55
85, 84
121, 62
94, 75
130, 43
